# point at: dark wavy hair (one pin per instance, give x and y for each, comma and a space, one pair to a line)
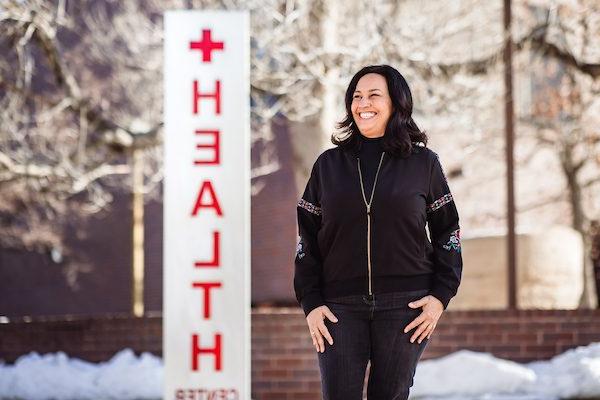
401, 132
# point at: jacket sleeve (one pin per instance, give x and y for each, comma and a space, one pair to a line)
444, 231
308, 264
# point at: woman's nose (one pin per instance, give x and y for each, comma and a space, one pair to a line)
364, 101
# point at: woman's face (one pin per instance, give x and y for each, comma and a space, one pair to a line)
371, 105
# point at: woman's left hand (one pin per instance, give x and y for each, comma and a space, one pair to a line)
426, 322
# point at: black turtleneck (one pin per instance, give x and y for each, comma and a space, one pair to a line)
369, 154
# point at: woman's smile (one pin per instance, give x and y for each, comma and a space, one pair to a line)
367, 115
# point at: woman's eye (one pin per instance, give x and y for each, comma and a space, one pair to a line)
358, 97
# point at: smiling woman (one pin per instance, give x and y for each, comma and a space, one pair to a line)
366, 274
383, 90
371, 105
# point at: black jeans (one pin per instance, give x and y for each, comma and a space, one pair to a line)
371, 329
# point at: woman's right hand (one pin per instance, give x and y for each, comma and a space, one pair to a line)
317, 327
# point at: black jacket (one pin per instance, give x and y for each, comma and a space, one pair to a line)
332, 256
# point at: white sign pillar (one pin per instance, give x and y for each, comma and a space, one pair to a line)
206, 307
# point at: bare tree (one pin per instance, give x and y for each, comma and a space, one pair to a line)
564, 63
69, 122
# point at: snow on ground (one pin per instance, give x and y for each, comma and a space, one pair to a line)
56, 376
461, 375
467, 374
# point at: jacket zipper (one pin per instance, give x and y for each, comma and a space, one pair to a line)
368, 206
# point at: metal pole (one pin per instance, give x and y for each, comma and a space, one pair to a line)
138, 235
509, 127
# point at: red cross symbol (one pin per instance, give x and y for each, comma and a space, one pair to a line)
206, 45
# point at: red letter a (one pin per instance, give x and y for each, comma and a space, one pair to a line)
214, 203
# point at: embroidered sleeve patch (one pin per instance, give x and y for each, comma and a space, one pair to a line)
445, 199
300, 249
453, 241
311, 208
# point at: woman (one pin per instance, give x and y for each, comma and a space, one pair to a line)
370, 282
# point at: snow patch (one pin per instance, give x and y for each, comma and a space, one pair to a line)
56, 376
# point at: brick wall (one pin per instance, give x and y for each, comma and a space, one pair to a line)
284, 363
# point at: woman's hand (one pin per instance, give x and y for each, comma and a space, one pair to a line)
426, 322
317, 327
